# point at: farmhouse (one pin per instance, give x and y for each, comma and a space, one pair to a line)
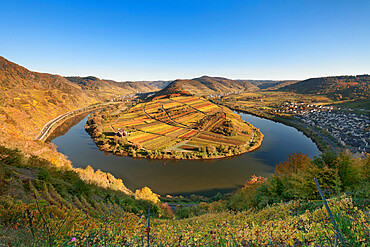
121, 132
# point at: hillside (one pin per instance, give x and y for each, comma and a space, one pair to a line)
206, 85
43, 205
271, 85
114, 88
29, 99
156, 84
335, 87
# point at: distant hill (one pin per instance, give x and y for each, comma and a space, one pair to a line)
114, 87
156, 84
206, 85
335, 87
271, 85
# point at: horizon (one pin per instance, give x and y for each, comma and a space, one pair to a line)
147, 41
247, 79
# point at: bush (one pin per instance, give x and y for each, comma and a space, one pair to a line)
182, 212
43, 175
167, 211
81, 188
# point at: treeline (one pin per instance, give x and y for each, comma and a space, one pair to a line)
336, 87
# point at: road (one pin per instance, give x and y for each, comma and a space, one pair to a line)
333, 146
47, 127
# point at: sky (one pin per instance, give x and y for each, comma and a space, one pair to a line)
171, 39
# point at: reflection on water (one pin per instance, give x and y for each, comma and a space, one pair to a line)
205, 177
66, 125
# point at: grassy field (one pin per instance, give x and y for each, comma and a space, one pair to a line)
184, 124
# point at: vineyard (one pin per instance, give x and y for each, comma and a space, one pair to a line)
184, 127
43, 205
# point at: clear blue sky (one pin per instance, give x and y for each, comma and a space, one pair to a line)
169, 39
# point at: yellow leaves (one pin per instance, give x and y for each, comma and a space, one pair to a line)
54, 161
105, 180
146, 194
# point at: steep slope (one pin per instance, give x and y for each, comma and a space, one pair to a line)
29, 99
206, 85
336, 87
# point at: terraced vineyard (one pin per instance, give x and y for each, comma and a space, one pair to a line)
185, 127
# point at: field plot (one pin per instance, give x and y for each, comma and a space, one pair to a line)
179, 124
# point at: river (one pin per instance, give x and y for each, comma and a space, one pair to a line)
185, 177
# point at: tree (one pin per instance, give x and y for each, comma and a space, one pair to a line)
146, 194
211, 150
293, 164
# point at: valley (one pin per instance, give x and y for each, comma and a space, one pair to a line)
184, 141
185, 123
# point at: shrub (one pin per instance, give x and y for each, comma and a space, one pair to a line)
167, 211
182, 212
146, 194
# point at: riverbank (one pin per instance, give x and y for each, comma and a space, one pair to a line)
321, 141
56, 122
136, 151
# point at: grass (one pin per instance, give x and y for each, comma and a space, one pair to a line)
357, 105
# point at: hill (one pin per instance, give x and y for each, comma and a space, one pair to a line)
270, 84
206, 85
335, 87
114, 88
29, 99
156, 84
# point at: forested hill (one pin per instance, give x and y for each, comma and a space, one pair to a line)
206, 85
157, 84
336, 87
114, 87
270, 84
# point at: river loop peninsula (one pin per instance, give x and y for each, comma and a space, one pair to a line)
185, 177
173, 127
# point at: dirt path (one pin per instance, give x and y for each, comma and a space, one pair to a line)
184, 126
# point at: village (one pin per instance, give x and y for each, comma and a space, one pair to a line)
349, 129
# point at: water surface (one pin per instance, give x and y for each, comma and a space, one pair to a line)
205, 177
